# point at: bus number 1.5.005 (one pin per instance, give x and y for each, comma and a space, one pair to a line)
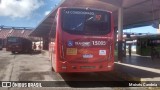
99, 42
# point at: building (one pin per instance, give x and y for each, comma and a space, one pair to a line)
14, 31
158, 30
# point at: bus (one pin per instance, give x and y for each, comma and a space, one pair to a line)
82, 40
18, 45
147, 44
1, 44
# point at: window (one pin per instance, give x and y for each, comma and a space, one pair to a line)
88, 22
12, 39
52, 33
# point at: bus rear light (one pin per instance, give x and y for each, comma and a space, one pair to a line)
110, 52
62, 50
74, 67
64, 67
109, 66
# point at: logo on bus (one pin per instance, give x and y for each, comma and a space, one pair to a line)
102, 52
94, 43
84, 44
70, 43
87, 56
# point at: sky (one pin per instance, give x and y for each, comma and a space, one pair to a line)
25, 13
29, 13
144, 29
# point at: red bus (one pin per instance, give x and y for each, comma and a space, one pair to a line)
82, 40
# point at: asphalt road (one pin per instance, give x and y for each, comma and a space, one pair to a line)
27, 67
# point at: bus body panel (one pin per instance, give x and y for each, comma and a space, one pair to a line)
1, 44
146, 45
85, 54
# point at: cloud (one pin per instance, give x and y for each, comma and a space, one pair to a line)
46, 13
19, 8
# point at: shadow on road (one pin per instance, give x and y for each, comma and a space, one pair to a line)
99, 79
31, 53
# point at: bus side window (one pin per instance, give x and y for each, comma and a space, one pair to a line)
138, 43
149, 42
55, 20
52, 33
143, 44
55, 24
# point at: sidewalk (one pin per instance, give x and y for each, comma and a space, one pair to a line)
140, 68
137, 68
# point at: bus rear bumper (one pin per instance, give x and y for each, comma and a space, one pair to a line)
98, 67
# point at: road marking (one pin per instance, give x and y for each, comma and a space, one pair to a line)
140, 67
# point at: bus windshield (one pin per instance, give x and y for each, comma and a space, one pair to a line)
90, 22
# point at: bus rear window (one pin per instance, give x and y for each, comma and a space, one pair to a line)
90, 22
12, 39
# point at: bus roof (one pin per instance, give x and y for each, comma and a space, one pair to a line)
150, 36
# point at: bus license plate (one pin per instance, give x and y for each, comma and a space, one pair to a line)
87, 56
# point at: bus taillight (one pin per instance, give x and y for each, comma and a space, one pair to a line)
64, 67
